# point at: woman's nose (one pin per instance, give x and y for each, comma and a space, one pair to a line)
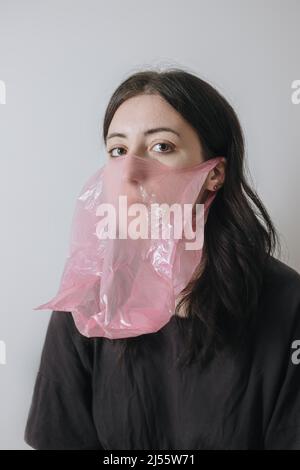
134, 168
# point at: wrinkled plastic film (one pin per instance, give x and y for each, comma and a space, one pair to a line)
122, 287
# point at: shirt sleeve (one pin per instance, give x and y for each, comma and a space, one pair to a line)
60, 415
283, 432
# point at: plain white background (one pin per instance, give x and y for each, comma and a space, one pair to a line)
60, 61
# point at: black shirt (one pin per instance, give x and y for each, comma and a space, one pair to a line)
83, 400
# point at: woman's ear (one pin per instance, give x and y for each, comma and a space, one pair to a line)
215, 179
216, 176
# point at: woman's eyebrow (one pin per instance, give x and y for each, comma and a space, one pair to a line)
148, 132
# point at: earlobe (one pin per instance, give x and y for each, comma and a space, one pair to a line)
219, 174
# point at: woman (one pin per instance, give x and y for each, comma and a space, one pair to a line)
222, 373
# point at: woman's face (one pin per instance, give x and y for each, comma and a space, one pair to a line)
137, 122
148, 126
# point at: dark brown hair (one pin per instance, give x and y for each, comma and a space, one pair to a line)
239, 234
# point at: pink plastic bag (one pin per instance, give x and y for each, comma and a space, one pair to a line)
120, 287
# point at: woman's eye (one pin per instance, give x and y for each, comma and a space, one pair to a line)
163, 144
115, 148
164, 148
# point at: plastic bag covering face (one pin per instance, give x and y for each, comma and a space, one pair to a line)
122, 286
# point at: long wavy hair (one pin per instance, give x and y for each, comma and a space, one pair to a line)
220, 302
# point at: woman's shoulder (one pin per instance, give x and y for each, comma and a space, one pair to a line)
280, 270
65, 343
62, 327
63, 323
280, 298
278, 274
